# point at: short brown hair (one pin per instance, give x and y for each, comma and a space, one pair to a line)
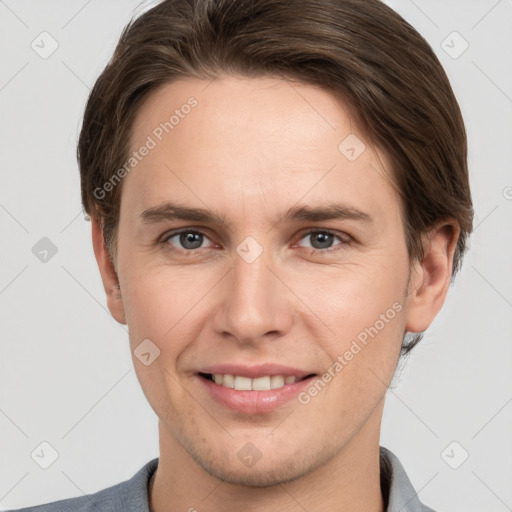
361, 50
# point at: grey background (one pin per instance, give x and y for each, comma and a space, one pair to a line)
66, 374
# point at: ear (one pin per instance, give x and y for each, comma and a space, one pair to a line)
430, 278
108, 273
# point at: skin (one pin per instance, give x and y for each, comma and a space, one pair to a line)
250, 150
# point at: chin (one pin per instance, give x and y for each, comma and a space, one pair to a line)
263, 473
252, 477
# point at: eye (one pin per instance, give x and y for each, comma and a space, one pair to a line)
188, 239
322, 240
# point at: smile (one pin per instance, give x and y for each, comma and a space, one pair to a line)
240, 383
257, 394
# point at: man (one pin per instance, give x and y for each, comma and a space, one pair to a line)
279, 199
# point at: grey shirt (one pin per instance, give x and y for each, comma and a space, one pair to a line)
132, 495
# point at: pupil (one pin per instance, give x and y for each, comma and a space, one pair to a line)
191, 240
324, 239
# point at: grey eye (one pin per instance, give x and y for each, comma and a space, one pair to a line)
320, 239
187, 240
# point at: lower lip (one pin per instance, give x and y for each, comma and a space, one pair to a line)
253, 402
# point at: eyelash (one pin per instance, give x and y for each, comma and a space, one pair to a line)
340, 237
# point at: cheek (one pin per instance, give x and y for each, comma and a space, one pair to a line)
368, 320
351, 299
170, 308
364, 309
163, 313
155, 307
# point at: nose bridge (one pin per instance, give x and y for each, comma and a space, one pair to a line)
255, 303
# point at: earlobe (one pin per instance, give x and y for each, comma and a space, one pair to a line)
430, 278
108, 273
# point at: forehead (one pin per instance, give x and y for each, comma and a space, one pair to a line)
266, 112
251, 143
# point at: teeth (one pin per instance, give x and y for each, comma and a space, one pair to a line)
261, 383
228, 381
243, 383
276, 381
265, 383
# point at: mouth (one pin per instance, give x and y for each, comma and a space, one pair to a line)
260, 390
262, 383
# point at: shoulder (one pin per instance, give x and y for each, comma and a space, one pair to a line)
104, 500
396, 487
127, 496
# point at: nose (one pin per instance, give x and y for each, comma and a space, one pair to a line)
255, 303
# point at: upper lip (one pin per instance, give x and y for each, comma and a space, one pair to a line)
255, 371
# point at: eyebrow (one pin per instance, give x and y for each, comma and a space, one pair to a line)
169, 210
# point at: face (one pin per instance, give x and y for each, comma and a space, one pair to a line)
295, 266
